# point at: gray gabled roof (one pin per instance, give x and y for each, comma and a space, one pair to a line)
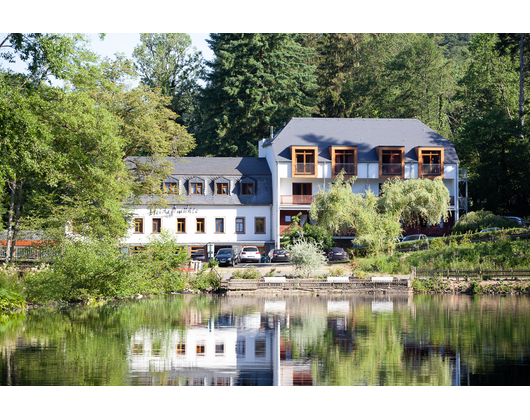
365, 133
217, 165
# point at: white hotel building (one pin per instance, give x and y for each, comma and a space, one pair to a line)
232, 202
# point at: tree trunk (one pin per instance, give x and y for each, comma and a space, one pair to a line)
521, 87
12, 186
17, 219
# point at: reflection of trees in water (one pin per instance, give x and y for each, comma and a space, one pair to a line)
415, 342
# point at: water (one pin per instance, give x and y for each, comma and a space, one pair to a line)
272, 340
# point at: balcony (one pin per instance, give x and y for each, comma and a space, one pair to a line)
296, 199
431, 169
392, 169
349, 168
304, 169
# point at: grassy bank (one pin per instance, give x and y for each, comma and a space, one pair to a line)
472, 287
83, 271
502, 253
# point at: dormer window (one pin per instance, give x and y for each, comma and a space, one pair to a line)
248, 186
430, 162
391, 161
170, 188
343, 159
196, 186
304, 161
222, 186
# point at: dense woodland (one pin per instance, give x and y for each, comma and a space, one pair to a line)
69, 125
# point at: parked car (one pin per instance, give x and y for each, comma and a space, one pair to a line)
279, 255
417, 240
337, 254
491, 229
227, 256
520, 221
250, 254
418, 237
199, 255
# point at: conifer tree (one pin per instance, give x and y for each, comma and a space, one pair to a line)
256, 81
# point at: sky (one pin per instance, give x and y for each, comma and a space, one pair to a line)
123, 43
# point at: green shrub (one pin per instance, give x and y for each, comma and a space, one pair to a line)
11, 300
306, 256
476, 221
204, 280
248, 273
90, 269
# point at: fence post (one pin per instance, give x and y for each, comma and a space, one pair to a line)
413, 274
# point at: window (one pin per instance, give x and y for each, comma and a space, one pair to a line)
221, 381
240, 348
157, 225
391, 161
138, 348
138, 225
170, 187
200, 225
219, 225
200, 349
259, 348
196, 188
221, 188
430, 162
260, 224
181, 348
344, 158
219, 349
247, 188
240, 225
304, 161
302, 194
181, 225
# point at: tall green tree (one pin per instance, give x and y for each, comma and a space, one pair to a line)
255, 81
518, 45
64, 150
168, 61
488, 138
401, 76
377, 220
336, 61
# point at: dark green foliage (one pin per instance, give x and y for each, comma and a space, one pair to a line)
476, 221
90, 269
310, 231
256, 81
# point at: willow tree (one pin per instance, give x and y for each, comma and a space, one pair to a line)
377, 219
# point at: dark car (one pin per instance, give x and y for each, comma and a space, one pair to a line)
337, 254
226, 256
279, 255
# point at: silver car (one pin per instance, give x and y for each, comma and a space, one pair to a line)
250, 254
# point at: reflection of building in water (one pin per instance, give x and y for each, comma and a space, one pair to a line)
231, 351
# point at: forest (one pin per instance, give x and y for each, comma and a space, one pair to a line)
71, 122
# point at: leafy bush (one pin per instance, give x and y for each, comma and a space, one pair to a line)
313, 233
11, 300
204, 280
100, 269
247, 273
306, 256
476, 221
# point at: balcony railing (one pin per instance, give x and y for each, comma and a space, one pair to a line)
431, 169
296, 199
304, 169
392, 169
349, 168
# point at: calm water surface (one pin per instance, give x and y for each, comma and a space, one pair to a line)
289, 341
